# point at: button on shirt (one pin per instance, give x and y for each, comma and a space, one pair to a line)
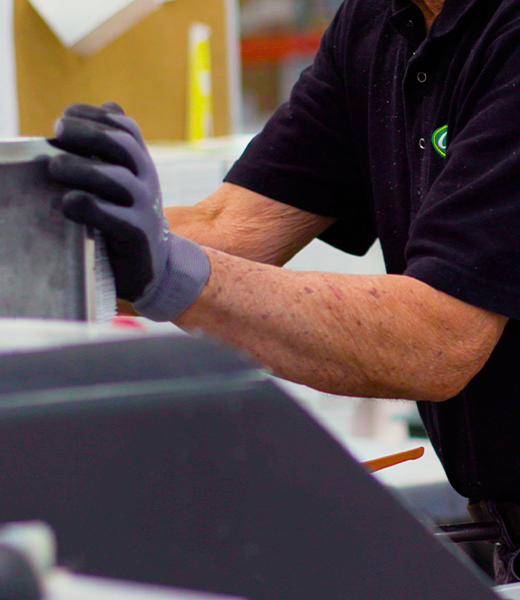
413, 138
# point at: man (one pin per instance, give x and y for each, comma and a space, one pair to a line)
404, 129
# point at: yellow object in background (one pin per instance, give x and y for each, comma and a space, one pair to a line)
200, 96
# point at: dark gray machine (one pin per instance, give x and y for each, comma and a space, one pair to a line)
175, 460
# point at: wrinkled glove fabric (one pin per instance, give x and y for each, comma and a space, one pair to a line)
114, 187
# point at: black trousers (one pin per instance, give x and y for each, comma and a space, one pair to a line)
506, 560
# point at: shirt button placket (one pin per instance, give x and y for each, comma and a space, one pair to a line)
421, 78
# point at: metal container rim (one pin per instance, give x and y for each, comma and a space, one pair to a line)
25, 149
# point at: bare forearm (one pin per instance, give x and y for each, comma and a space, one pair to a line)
375, 336
242, 223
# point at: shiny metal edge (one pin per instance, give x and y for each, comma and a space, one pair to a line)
24, 149
90, 276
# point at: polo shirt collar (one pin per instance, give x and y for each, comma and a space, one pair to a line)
450, 15
404, 11
408, 21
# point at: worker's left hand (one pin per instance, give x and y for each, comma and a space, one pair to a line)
115, 189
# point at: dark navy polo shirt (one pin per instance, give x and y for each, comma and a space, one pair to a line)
415, 139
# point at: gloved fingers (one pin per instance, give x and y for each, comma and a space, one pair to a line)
127, 244
90, 138
109, 113
110, 182
113, 107
91, 112
88, 209
129, 125
136, 151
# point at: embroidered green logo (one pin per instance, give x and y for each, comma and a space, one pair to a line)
439, 138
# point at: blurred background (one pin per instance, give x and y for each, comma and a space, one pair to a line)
136, 52
279, 39
201, 77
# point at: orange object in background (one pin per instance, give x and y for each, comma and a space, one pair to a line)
394, 459
261, 49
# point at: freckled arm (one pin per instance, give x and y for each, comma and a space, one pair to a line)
376, 336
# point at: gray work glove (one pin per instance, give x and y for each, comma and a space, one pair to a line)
115, 188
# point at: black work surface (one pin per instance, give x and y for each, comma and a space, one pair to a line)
194, 470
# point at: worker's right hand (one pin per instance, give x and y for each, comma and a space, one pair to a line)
115, 189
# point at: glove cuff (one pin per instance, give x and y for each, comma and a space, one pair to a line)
186, 272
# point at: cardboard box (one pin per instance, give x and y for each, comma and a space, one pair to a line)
87, 27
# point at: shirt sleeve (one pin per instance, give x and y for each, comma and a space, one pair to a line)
305, 154
465, 239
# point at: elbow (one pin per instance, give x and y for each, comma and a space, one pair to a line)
423, 388
448, 367
449, 379
441, 391
435, 381
432, 381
